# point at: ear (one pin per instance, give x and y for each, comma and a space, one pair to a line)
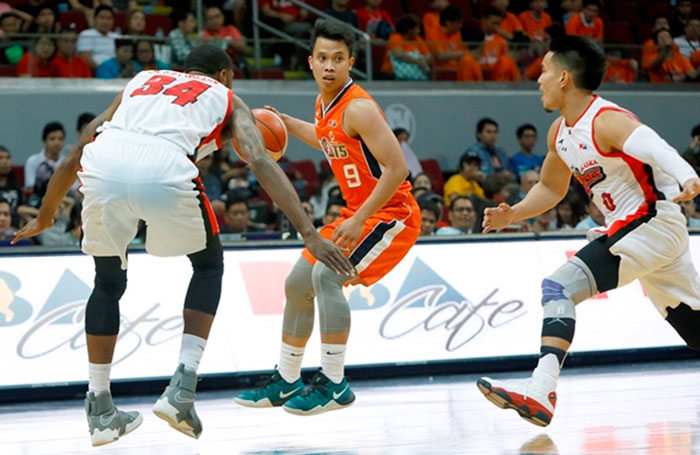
311, 59
564, 79
351, 61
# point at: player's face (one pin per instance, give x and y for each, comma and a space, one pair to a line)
551, 84
330, 64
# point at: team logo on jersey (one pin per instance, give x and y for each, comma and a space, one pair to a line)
582, 146
333, 151
592, 175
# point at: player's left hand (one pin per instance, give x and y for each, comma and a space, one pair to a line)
691, 188
348, 233
32, 228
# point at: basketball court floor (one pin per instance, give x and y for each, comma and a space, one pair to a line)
650, 409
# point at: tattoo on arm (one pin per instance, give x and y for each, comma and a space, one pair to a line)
247, 136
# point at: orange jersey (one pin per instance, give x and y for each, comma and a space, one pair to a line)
576, 26
619, 70
510, 23
352, 163
535, 28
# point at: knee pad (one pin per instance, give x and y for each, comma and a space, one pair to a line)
299, 311
686, 321
334, 310
102, 309
573, 280
204, 291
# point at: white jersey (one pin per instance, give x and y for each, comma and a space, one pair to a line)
187, 110
623, 187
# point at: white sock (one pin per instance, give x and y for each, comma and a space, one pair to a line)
549, 364
98, 374
333, 361
191, 350
290, 362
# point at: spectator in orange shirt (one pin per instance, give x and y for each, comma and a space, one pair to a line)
496, 64
587, 23
66, 63
374, 20
669, 65
534, 69
510, 25
649, 52
620, 69
38, 63
448, 49
227, 36
407, 46
431, 19
536, 20
695, 59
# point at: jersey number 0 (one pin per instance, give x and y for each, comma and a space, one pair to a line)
184, 92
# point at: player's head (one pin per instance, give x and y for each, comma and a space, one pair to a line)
212, 61
331, 59
573, 63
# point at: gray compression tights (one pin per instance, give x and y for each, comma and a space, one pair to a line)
302, 285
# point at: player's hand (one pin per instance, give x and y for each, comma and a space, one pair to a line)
348, 233
273, 109
329, 253
32, 228
496, 218
691, 188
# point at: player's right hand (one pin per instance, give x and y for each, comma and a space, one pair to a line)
32, 228
496, 218
330, 254
274, 109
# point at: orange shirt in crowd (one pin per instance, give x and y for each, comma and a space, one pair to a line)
535, 28
619, 70
29, 65
575, 26
511, 24
649, 53
695, 59
396, 41
75, 67
468, 69
439, 41
495, 48
431, 24
534, 69
673, 69
506, 70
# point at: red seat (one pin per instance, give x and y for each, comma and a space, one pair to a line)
158, 21
627, 12
7, 71
432, 168
267, 73
73, 17
658, 9
18, 172
419, 7
444, 74
619, 33
325, 166
307, 169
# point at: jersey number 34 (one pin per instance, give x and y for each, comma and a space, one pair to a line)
184, 92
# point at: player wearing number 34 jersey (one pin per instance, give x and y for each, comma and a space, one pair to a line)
377, 228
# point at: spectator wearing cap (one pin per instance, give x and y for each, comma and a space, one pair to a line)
66, 63
493, 158
462, 216
120, 66
403, 136
466, 181
429, 214
96, 45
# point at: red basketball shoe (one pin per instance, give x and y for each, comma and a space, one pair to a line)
534, 399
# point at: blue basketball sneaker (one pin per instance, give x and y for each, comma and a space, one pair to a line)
275, 392
321, 396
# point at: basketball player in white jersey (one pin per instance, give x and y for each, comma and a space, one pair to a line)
141, 166
633, 176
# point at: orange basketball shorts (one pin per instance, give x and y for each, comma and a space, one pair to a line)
385, 240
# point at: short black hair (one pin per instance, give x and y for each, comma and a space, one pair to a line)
400, 130
483, 122
459, 197
5, 201
121, 42
469, 158
334, 201
427, 204
494, 184
236, 197
4, 149
524, 127
333, 30
50, 128
407, 23
8, 14
451, 14
101, 8
207, 59
84, 119
659, 31
591, 2
178, 16
696, 131
555, 31
493, 12
582, 57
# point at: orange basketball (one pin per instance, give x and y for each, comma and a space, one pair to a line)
273, 130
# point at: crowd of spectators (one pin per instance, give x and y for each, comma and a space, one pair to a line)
485, 176
466, 40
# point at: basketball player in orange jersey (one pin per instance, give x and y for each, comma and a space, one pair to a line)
635, 178
141, 166
378, 227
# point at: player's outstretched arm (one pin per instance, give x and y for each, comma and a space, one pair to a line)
363, 119
552, 187
278, 186
617, 130
303, 130
63, 178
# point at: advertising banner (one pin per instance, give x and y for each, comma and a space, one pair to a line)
444, 301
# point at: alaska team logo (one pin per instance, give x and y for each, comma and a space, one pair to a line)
590, 176
13, 309
400, 116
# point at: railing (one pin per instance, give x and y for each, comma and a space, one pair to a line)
258, 24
